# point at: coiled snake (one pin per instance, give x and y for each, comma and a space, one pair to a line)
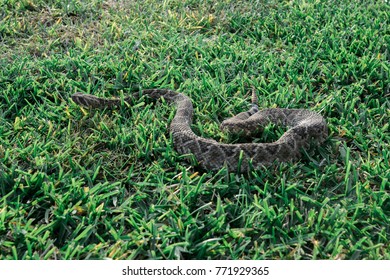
305, 126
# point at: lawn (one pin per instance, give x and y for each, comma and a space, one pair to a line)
78, 183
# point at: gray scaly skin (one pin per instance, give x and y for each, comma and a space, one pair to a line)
305, 127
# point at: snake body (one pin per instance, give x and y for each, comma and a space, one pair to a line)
305, 126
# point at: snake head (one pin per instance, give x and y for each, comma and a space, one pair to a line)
88, 100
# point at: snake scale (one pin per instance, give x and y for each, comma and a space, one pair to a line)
305, 126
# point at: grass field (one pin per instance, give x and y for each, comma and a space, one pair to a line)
85, 184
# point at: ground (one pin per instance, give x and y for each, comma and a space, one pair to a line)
97, 184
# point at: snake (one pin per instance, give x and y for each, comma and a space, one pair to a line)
304, 127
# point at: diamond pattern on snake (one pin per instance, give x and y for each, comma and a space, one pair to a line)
305, 127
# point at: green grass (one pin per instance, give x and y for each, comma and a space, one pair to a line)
84, 184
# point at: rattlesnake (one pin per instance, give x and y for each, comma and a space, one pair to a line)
305, 127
